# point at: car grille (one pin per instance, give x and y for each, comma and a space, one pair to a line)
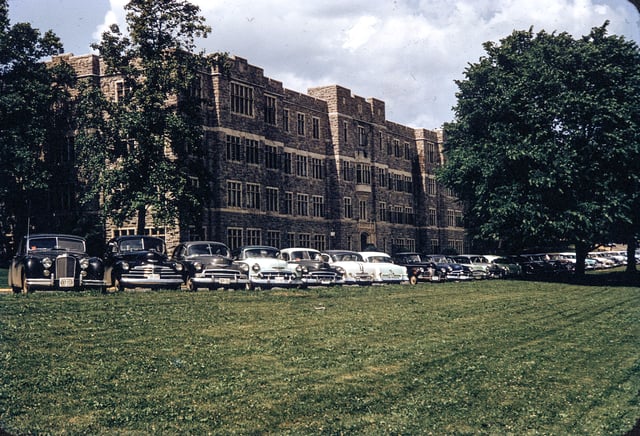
221, 274
65, 267
322, 275
147, 271
271, 275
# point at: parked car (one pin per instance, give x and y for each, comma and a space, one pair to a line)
420, 268
478, 265
54, 261
266, 270
383, 268
315, 270
455, 271
208, 264
356, 271
140, 261
508, 267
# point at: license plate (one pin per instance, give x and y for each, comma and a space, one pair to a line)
225, 281
279, 279
154, 276
66, 283
325, 282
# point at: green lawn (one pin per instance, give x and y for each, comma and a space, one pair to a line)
491, 357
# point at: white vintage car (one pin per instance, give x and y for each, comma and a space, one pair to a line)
383, 269
356, 270
311, 267
266, 270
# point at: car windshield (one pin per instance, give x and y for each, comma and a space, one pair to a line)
305, 255
347, 257
139, 244
260, 252
56, 243
412, 258
208, 250
379, 259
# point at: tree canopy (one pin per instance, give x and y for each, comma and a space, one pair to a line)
140, 151
32, 101
545, 144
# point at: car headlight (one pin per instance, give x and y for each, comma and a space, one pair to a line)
197, 266
124, 266
340, 270
299, 268
84, 263
46, 262
178, 267
244, 267
255, 267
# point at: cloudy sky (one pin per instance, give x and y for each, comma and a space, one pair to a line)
405, 52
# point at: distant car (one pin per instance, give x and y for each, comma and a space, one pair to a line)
140, 262
208, 264
314, 271
383, 268
356, 270
455, 271
266, 270
508, 267
420, 268
54, 261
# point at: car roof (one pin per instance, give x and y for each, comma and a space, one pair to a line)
52, 235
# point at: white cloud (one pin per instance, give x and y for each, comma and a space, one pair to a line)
406, 52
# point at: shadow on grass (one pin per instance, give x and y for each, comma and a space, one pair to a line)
601, 278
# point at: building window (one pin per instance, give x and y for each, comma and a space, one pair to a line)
254, 237
120, 91
389, 147
348, 207
234, 237
363, 174
301, 166
451, 218
407, 151
431, 186
382, 176
396, 148
241, 99
273, 238
433, 217
285, 120
382, 211
252, 151
234, 193
320, 242
304, 240
286, 163
431, 152
315, 128
408, 213
317, 168
272, 199
435, 246
317, 206
362, 210
347, 171
459, 221
271, 157
234, 148
288, 203
300, 124
345, 131
362, 136
270, 109
253, 196
302, 205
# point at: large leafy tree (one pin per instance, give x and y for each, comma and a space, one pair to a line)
139, 152
545, 144
33, 98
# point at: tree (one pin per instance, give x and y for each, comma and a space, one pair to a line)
139, 153
32, 102
545, 143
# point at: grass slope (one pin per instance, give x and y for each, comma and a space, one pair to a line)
491, 357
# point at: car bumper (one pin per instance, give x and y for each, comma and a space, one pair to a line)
220, 282
140, 282
65, 283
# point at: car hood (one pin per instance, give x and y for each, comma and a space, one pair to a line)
266, 262
144, 257
210, 260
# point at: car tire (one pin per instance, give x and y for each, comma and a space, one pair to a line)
191, 286
118, 285
25, 289
413, 280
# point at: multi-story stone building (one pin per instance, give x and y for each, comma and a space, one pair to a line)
324, 169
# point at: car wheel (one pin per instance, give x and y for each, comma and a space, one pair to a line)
25, 289
249, 287
191, 286
413, 280
118, 285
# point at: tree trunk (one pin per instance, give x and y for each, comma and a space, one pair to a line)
142, 220
581, 254
632, 244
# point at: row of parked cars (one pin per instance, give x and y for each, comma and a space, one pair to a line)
57, 261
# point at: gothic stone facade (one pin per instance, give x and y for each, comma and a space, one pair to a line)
324, 169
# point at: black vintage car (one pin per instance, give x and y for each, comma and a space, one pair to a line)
140, 262
54, 261
420, 268
209, 265
311, 268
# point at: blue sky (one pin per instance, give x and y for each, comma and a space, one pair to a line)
405, 52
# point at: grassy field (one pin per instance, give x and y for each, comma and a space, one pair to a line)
491, 357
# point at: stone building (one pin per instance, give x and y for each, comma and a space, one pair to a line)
324, 169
